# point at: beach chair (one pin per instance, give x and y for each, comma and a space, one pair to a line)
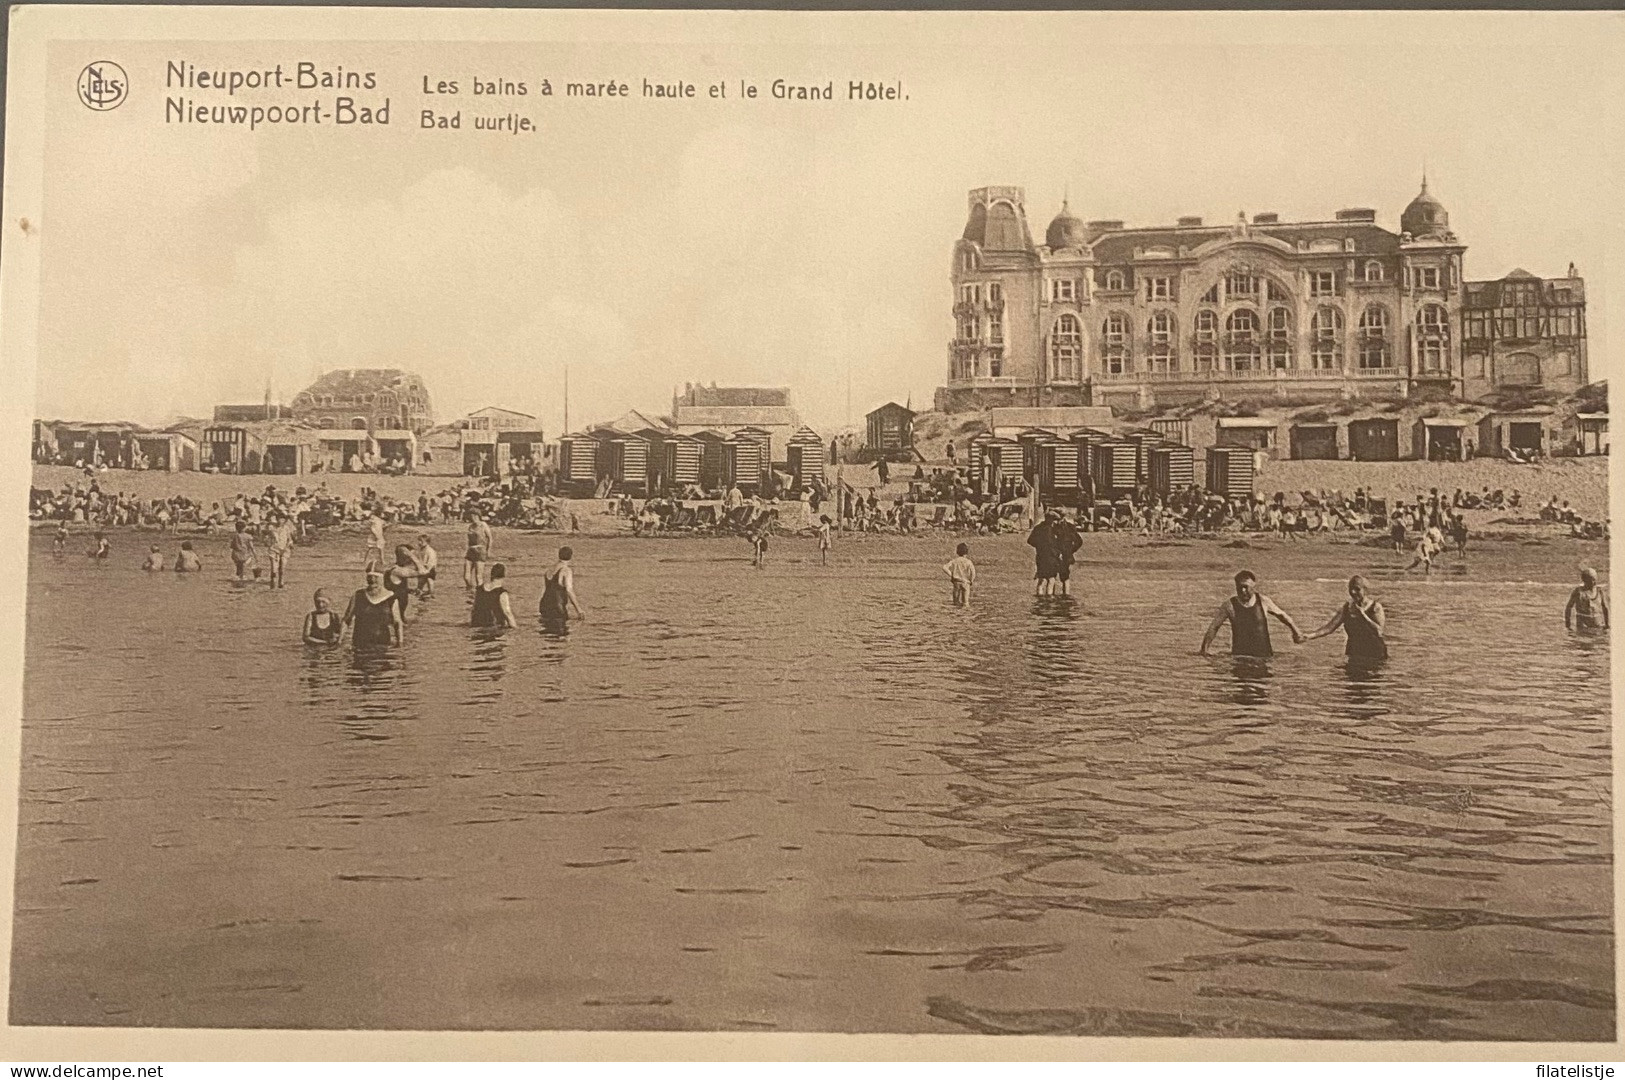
939, 520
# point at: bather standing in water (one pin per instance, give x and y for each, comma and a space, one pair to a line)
322, 625
401, 577
1248, 614
376, 615
491, 604
559, 594
1363, 620
1587, 605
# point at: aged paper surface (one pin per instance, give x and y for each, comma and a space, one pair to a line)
764, 316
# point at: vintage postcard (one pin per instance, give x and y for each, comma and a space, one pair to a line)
750, 529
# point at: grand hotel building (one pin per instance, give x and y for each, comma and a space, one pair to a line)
1102, 314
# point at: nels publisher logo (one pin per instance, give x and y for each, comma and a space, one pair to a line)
103, 85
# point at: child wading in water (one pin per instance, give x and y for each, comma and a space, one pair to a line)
962, 573
758, 547
823, 539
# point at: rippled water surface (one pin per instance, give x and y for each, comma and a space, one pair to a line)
814, 798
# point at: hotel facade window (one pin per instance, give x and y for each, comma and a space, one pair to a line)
1114, 280
1206, 343
1063, 290
1279, 338
1240, 287
1427, 277
1374, 347
1066, 350
1241, 340
1277, 294
1432, 338
1160, 336
1211, 296
1115, 344
1326, 348
1373, 270
1323, 283
1159, 288
995, 294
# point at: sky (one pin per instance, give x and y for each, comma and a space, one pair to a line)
641, 244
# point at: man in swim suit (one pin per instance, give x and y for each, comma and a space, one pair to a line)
373, 557
1362, 619
1043, 542
400, 578
1587, 605
491, 605
479, 550
1248, 615
242, 549
558, 592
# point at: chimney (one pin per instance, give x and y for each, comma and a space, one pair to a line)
1266, 219
1357, 214
1190, 222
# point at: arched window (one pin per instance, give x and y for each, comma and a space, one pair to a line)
1114, 280
1212, 295
1241, 340
359, 423
1276, 293
1278, 338
1206, 349
1375, 351
1326, 347
1159, 332
1432, 338
1373, 270
384, 422
1066, 350
1114, 345
327, 422
967, 260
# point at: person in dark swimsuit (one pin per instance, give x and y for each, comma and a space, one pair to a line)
558, 592
322, 626
1362, 619
1248, 614
491, 603
375, 613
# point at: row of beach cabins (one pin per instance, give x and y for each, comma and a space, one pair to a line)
653, 460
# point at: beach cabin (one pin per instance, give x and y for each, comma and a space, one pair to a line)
1374, 440
1251, 432
890, 430
1313, 440
1058, 476
1031, 439
742, 464
234, 450
761, 437
1230, 471
1145, 440
578, 463
1524, 432
677, 461
710, 444
1173, 469
974, 453
1116, 468
1002, 461
1440, 438
1592, 433
167, 451
805, 453
625, 460
1173, 430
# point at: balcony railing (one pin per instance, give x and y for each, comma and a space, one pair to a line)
999, 381
1187, 375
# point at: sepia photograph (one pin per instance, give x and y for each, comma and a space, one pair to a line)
959, 524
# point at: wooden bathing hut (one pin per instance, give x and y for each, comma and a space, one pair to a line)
578, 463
626, 462
742, 463
974, 454
762, 438
1116, 468
1058, 474
1173, 469
805, 454
1230, 471
1001, 461
1144, 442
710, 443
682, 460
